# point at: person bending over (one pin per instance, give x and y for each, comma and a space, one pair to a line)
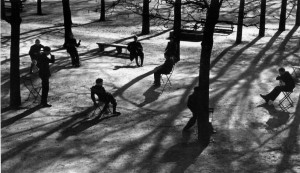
286, 84
103, 96
136, 50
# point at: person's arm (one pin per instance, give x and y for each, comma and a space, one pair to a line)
30, 51
140, 47
52, 60
78, 44
93, 96
129, 47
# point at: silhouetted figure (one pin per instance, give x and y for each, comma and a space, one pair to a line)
34, 52
286, 84
171, 50
44, 73
103, 96
165, 68
136, 50
71, 49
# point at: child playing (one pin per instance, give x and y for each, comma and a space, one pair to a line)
103, 96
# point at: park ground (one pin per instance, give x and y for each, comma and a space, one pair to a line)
251, 136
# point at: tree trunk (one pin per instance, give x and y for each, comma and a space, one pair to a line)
298, 14
67, 19
3, 15
177, 26
282, 15
102, 13
39, 7
240, 22
262, 22
15, 96
146, 21
207, 45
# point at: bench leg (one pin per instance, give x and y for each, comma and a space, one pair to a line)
119, 49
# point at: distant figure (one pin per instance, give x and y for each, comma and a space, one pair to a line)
71, 45
34, 52
165, 68
103, 96
171, 50
286, 84
44, 73
136, 50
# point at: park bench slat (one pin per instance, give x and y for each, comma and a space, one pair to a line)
119, 47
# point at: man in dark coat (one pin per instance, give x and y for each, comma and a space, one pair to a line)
286, 84
171, 50
165, 68
44, 73
34, 52
136, 50
103, 96
71, 49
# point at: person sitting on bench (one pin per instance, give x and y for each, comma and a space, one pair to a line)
287, 84
103, 96
136, 50
34, 52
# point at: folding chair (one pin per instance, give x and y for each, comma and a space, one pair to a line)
168, 81
286, 98
34, 89
100, 106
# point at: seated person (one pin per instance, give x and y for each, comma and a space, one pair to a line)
136, 50
287, 84
165, 68
103, 96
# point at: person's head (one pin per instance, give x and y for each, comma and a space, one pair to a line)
99, 81
47, 50
281, 71
37, 42
135, 38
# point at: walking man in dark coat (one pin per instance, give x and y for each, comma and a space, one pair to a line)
44, 73
136, 50
286, 84
34, 53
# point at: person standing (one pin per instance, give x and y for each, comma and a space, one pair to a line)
44, 73
287, 83
34, 52
136, 50
71, 49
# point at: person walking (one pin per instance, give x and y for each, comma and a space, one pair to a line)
44, 73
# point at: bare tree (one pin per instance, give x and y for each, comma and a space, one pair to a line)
146, 20
240, 22
262, 21
282, 15
67, 19
298, 14
15, 22
207, 45
39, 7
102, 13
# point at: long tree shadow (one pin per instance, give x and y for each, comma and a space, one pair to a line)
10, 121
27, 144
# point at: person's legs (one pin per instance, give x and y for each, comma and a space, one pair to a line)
76, 58
72, 55
45, 90
141, 55
113, 101
275, 92
157, 77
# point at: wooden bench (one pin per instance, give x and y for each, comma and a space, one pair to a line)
119, 47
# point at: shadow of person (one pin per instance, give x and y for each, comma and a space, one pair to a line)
278, 117
182, 155
150, 96
80, 126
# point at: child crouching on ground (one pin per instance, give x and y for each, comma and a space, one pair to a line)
103, 96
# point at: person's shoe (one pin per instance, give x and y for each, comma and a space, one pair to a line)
156, 84
265, 98
116, 113
45, 105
